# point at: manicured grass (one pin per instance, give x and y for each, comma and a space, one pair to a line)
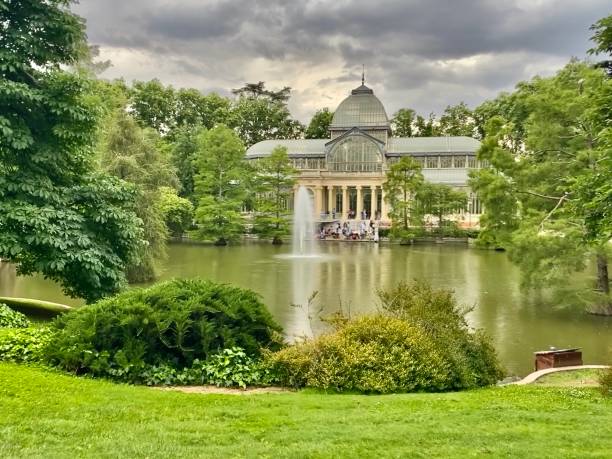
45, 414
573, 378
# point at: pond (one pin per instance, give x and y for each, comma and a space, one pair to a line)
347, 275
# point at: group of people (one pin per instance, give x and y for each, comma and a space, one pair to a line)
364, 230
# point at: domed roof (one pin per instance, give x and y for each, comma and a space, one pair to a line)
361, 109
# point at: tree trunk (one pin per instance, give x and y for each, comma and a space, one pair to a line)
221, 241
277, 240
603, 279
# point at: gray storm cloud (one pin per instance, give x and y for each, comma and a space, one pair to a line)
422, 54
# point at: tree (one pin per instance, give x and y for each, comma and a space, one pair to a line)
219, 185
177, 211
457, 120
131, 154
193, 109
275, 177
318, 128
425, 127
258, 114
183, 154
58, 215
404, 178
440, 200
603, 41
402, 123
153, 105
546, 197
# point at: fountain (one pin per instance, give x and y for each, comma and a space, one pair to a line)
303, 225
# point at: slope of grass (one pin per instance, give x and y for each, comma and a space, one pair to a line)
44, 414
573, 378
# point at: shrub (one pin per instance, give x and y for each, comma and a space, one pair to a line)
371, 354
471, 355
229, 368
170, 324
420, 341
605, 382
12, 319
24, 345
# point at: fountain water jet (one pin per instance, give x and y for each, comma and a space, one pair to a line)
303, 225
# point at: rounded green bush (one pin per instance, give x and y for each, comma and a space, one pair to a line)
171, 323
419, 341
12, 319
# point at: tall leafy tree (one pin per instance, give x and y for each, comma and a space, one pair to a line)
153, 105
274, 179
259, 114
402, 123
457, 120
58, 215
318, 128
546, 196
404, 178
602, 38
132, 154
183, 156
440, 200
425, 127
219, 185
177, 211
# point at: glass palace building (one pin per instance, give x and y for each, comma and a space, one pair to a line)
345, 172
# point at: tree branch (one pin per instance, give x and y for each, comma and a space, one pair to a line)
561, 199
554, 198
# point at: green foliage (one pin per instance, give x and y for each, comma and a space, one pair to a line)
173, 323
24, 345
403, 180
184, 153
274, 180
419, 342
457, 120
402, 122
133, 155
12, 319
169, 111
220, 185
177, 211
603, 41
259, 114
605, 382
440, 200
58, 216
228, 368
318, 128
370, 354
547, 193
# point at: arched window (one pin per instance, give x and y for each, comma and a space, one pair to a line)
356, 153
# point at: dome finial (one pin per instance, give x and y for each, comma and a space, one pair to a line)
362, 74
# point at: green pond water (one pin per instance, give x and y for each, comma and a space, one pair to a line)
347, 275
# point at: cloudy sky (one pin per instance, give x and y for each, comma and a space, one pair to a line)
424, 54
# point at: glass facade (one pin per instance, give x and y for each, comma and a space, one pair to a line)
355, 154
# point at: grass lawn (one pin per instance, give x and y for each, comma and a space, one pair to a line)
44, 414
573, 378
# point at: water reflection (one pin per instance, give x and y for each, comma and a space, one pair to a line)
350, 273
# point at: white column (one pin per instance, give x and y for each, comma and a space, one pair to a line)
318, 201
372, 202
345, 202
331, 202
383, 206
359, 202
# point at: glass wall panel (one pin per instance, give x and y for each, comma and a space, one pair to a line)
459, 161
355, 154
432, 162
